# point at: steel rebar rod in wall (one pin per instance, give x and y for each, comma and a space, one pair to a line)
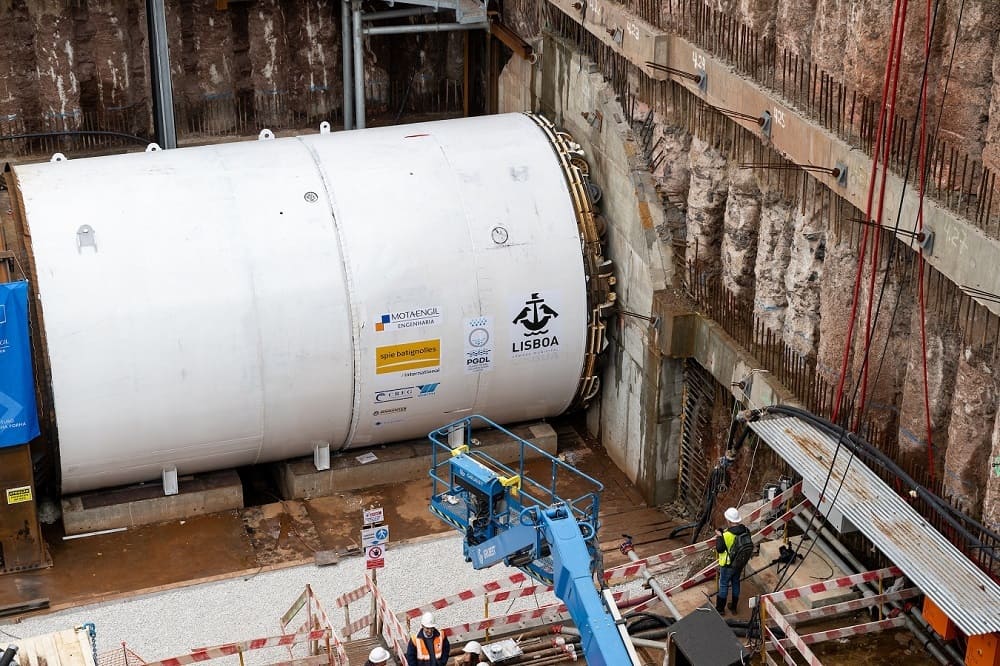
159, 64
348, 64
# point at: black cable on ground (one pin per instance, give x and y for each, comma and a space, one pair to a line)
41, 135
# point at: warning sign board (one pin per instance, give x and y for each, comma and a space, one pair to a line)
375, 557
374, 515
18, 495
375, 536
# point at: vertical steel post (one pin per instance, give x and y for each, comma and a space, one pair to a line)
347, 45
159, 65
359, 67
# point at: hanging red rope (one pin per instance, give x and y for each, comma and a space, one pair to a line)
922, 160
898, 20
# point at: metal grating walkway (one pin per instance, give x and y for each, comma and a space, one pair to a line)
967, 595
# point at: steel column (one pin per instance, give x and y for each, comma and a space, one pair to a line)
346, 47
359, 67
159, 65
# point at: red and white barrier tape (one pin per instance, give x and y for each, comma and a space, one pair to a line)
356, 626
464, 595
549, 613
229, 649
708, 573
507, 595
354, 595
833, 584
790, 634
855, 630
320, 612
781, 647
625, 572
848, 606
391, 627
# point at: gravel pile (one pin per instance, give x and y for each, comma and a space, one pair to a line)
166, 624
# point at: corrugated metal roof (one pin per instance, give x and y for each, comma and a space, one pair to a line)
965, 593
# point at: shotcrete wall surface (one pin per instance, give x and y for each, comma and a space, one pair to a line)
566, 88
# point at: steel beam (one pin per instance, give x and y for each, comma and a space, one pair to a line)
423, 27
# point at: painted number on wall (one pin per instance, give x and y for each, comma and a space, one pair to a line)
699, 61
779, 116
633, 30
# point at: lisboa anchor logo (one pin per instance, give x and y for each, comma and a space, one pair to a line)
534, 320
540, 313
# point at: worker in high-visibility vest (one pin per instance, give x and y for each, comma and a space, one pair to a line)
427, 647
729, 575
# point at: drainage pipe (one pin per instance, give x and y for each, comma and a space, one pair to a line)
359, 67
424, 27
844, 559
346, 46
638, 642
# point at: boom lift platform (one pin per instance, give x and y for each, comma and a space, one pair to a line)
508, 517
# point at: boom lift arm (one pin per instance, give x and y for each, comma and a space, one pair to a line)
508, 517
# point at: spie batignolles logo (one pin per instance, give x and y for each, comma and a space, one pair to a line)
535, 326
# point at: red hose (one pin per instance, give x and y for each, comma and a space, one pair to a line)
838, 399
920, 250
897, 57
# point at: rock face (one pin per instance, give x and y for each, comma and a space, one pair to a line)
706, 206
774, 250
739, 238
802, 281
971, 433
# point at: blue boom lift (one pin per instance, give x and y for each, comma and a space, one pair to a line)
508, 517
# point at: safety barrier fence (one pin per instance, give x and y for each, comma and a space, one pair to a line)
238, 648
626, 572
316, 631
710, 571
316, 618
392, 630
801, 642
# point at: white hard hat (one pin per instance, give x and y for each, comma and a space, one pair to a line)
378, 656
427, 620
473, 647
733, 514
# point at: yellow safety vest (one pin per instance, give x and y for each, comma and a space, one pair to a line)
422, 654
729, 539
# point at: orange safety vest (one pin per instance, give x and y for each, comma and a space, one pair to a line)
729, 539
418, 642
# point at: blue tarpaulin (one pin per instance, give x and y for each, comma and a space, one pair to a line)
18, 416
